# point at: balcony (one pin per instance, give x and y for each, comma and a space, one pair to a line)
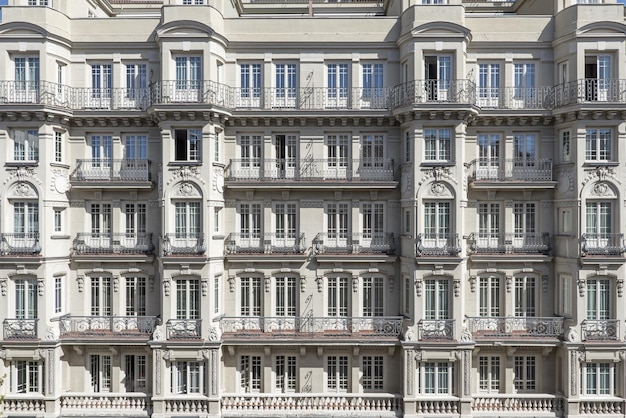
600, 330
606, 407
268, 243
604, 244
103, 172
437, 245
590, 91
490, 327
355, 243
20, 329
71, 326
87, 243
379, 405
107, 404
374, 327
20, 244
34, 92
183, 329
420, 92
521, 243
23, 405
90, 98
435, 329
310, 170
184, 244
515, 98
512, 170
532, 404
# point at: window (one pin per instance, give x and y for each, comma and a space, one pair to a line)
60, 89
250, 373
251, 151
488, 84
58, 147
101, 296
598, 77
337, 224
136, 81
100, 369
136, 148
373, 81
489, 296
524, 373
100, 219
337, 147
26, 145
337, 373
250, 83
135, 217
251, 295
373, 296
524, 224
250, 220
434, 1
187, 144
25, 299
599, 299
338, 296
524, 81
26, 219
101, 81
337, 83
437, 378
488, 155
188, 219
26, 77
190, 2
436, 223
216, 146
188, 72
489, 225
408, 295
286, 296
188, 299
372, 150
26, 376
286, 80
135, 296
598, 145
136, 367
407, 147
598, 378
58, 294
526, 296
436, 299
101, 150
39, 2
286, 223
566, 146
437, 144
216, 294
216, 219
373, 222
438, 71
489, 373
566, 295
187, 377
286, 148
599, 220
524, 150
373, 372
285, 370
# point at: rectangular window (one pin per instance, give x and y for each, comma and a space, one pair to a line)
26, 145
372, 151
100, 371
216, 219
525, 373
136, 219
598, 145
187, 219
100, 219
524, 81
250, 220
566, 146
337, 223
135, 296
250, 83
525, 296
599, 223
251, 296
27, 77
373, 221
187, 144
136, 81
101, 295
337, 373
216, 146
216, 294
136, 368
26, 377
285, 370
437, 221
286, 222
489, 84
489, 373
489, 296
338, 296
437, 144
373, 296
187, 299
286, 79
286, 296
436, 299
337, 85
408, 295
58, 147
26, 219
136, 149
408, 149
25, 299
599, 299
101, 150
250, 148
337, 147
525, 225
489, 225
187, 377
373, 80
437, 378
101, 82
598, 378
373, 372
188, 73
58, 294
250, 373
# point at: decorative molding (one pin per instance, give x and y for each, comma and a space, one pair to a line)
582, 285
166, 287
302, 284
320, 284
22, 190
620, 287
231, 284
185, 174
544, 283
410, 366
116, 284
457, 287
509, 284
80, 281
3, 287
22, 174
157, 371
472, 281
41, 286
418, 287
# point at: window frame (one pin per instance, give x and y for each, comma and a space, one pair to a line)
187, 145
599, 145
337, 372
438, 144
26, 146
26, 376
182, 374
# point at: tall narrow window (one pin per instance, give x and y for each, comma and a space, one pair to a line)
187, 377
598, 299
373, 372
101, 296
489, 226
598, 145
135, 296
525, 373
286, 296
136, 148
373, 221
489, 296
135, 216
26, 376
251, 296
437, 378
373, 81
188, 299
250, 220
250, 373
58, 294
26, 78
438, 144
188, 219
136, 367
100, 369
58, 147
337, 85
26, 145
250, 148
338, 150
285, 85
338, 294
136, 81
337, 373
524, 81
26, 299
286, 226
436, 299
187, 144
101, 81
285, 370
489, 84
489, 373
373, 150
250, 83
525, 296
25, 220
188, 72
373, 296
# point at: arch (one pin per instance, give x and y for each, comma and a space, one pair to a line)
600, 189
23, 30
184, 29
22, 190
602, 28
436, 189
440, 29
185, 190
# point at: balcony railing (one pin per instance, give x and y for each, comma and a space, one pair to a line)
515, 326
133, 404
20, 329
437, 245
258, 169
435, 329
509, 243
193, 91
516, 169
99, 326
26, 243
89, 98
606, 244
99, 170
311, 98
371, 326
590, 91
519, 403
183, 329
600, 330
527, 98
355, 243
23, 404
267, 243
600, 407
184, 244
113, 243
432, 91
361, 404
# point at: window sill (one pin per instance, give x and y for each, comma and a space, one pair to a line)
592, 163
438, 164
218, 164
60, 236
21, 164
184, 163
60, 165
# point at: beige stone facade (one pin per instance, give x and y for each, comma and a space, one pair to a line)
271, 208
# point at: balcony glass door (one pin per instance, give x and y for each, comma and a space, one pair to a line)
597, 77
438, 75
488, 166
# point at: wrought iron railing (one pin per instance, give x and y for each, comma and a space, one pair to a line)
113, 243
432, 91
602, 244
183, 329
515, 169
180, 243
354, 243
26, 243
94, 326
20, 329
520, 326
600, 330
265, 243
590, 90
437, 244
509, 243
435, 329
112, 170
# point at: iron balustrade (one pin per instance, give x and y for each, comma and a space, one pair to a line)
379, 326
25, 243
124, 170
435, 329
432, 91
607, 244
265, 243
354, 243
437, 244
113, 243
509, 243
520, 326
600, 330
515, 169
94, 326
183, 329
590, 90
180, 243
193, 91
20, 329
110, 98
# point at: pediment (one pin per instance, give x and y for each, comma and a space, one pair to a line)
441, 29
184, 29
602, 29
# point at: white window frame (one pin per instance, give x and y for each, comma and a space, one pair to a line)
437, 378
136, 147
599, 144
373, 221
337, 372
600, 303
251, 220
26, 299
598, 379
373, 373
59, 146
136, 370
251, 296
525, 373
338, 296
250, 373
135, 220
59, 296
286, 303
100, 372
25, 218
187, 145
526, 296
437, 301
187, 377
26, 145
136, 296
489, 373
374, 296
438, 144
25, 376
188, 299
489, 296
286, 222
373, 150
188, 218
101, 295
285, 373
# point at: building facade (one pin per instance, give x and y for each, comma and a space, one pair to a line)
268, 208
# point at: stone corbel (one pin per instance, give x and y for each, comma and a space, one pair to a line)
166, 287
80, 281
472, 280
582, 285
41, 287
418, 287
320, 284
204, 283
